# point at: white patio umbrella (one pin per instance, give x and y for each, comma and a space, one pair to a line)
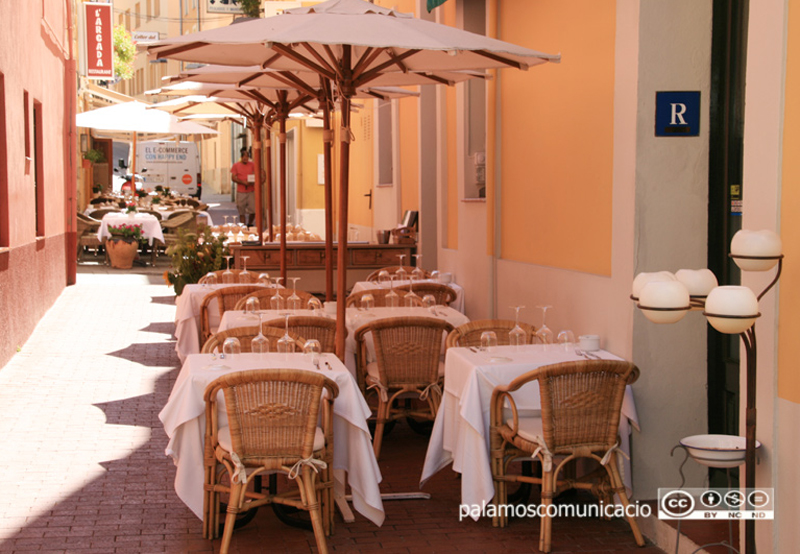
351, 43
137, 117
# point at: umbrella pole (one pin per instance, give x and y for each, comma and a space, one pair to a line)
257, 126
133, 163
268, 147
282, 141
344, 171
328, 152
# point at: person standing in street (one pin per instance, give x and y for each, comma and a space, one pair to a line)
243, 174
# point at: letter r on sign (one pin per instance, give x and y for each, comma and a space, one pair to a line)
676, 114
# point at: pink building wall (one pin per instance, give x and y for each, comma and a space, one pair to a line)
35, 263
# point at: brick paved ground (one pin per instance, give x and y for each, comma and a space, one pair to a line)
84, 469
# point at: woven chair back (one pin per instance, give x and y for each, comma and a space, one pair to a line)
392, 269
443, 294
226, 299
265, 293
469, 334
379, 295
310, 327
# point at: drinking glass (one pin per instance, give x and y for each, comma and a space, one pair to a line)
383, 277
211, 279
367, 302
566, 339
488, 341
252, 306
314, 305
231, 346
429, 301
227, 275
392, 298
263, 279
294, 301
312, 349
544, 334
244, 275
286, 343
401, 273
434, 276
517, 336
411, 299
277, 302
418, 273
227, 226
260, 343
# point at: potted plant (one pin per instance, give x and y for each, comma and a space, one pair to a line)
123, 246
193, 256
93, 156
156, 200
131, 209
97, 189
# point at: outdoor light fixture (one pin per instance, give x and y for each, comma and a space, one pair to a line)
733, 310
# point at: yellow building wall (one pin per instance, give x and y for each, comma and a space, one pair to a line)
361, 165
310, 194
557, 135
789, 323
409, 153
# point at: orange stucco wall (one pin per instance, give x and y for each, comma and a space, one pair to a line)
451, 230
557, 135
789, 322
409, 153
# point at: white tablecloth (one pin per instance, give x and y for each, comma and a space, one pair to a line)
458, 303
355, 319
184, 422
151, 226
187, 317
461, 431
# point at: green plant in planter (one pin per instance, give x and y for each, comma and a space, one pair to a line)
156, 200
126, 231
94, 156
141, 194
97, 189
193, 256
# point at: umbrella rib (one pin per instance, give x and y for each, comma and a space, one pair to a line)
322, 61
267, 63
368, 57
372, 73
178, 49
292, 55
501, 59
296, 82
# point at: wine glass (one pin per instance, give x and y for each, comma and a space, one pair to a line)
260, 343
517, 336
294, 302
263, 279
227, 275
401, 273
227, 227
231, 346
488, 341
210, 279
244, 275
434, 277
418, 273
252, 306
392, 298
544, 334
411, 298
286, 343
367, 301
566, 339
314, 305
312, 348
383, 277
277, 302
429, 301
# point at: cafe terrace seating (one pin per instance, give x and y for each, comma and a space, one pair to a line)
218, 275
391, 270
407, 354
444, 295
580, 403
100, 212
265, 293
246, 335
224, 299
272, 426
469, 334
322, 329
87, 234
379, 295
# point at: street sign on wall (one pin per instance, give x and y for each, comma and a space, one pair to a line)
223, 6
99, 41
678, 114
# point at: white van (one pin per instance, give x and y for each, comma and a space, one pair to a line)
170, 164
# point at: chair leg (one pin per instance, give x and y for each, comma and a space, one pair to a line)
380, 420
234, 505
311, 499
546, 524
619, 488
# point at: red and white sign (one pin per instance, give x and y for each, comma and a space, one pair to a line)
187, 179
99, 41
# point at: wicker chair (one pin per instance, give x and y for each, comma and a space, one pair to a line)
268, 292
99, 213
310, 327
87, 234
392, 269
245, 336
581, 402
354, 300
226, 299
218, 275
272, 426
407, 352
469, 334
443, 294
154, 213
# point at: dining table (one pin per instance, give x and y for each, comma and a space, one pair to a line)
457, 304
187, 316
461, 431
355, 318
151, 225
354, 461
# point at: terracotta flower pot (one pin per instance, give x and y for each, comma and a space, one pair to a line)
122, 252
